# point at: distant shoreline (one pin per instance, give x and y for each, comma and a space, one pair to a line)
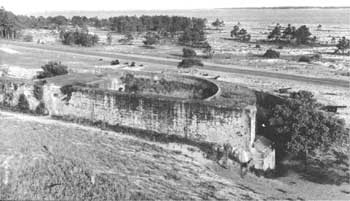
77, 12
291, 7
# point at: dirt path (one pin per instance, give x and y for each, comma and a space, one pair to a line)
174, 62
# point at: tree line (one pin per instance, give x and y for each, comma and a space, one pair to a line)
119, 24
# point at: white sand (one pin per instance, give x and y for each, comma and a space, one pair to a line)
8, 50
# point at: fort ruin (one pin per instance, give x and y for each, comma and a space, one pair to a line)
168, 106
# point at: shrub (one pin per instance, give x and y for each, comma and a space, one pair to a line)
271, 54
28, 38
299, 127
52, 69
304, 58
257, 46
115, 62
151, 39
133, 64
78, 38
343, 44
23, 104
187, 52
186, 63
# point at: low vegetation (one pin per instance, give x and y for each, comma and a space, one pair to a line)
59, 178
78, 38
240, 34
271, 54
190, 62
52, 69
151, 39
218, 23
187, 52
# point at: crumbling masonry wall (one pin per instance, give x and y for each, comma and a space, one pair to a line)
195, 120
11, 89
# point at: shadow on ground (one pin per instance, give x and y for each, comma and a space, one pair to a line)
333, 170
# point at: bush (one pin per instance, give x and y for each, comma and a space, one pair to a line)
304, 58
187, 52
28, 38
78, 38
133, 64
299, 127
23, 104
186, 63
271, 54
52, 69
115, 62
151, 39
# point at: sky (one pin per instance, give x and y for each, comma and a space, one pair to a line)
32, 6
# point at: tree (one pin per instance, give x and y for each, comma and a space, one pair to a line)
192, 36
79, 38
52, 69
187, 52
302, 35
299, 127
218, 23
343, 44
59, 20
109, 38
151, 39
275, 34
240, 34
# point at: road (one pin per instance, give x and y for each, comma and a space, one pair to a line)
173, 62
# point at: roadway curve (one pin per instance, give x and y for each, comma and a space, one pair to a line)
173, 62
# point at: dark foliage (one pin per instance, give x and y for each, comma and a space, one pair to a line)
297, 126
192, 37
189, 62
301, 35
240, 34
218, 23
78, 38
151, 39
115, 62
343, 44
52, 69
187, 52
271, 54
305, 59
23, 104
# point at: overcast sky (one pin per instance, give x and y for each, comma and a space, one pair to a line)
30, 6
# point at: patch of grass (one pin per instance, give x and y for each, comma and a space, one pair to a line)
59, 178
